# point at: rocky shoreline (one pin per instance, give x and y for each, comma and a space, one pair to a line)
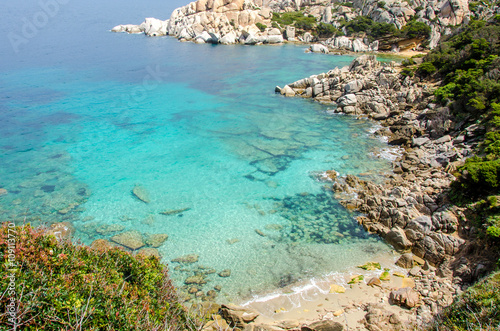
255, 22
410, 209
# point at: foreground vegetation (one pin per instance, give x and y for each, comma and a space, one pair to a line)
478, 308
467, 67
62, 286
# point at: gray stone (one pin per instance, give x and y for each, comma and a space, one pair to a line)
405, 261
422, 224
290, 32
405, 297
397, 238
318, 48
347, 100
324, 325
417, 142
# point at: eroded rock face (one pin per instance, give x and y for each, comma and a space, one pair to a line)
405, 297
378, 318
237, 316
408, 209
231, 21
208, 21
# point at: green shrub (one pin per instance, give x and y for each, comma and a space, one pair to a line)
476, 309
364, 24
419, 8
482, 175
473, 6
327, 30
407, 72
414, 29
381, 4
296, 17
262, 27
426, 68
408, 62
493, 232
69, 287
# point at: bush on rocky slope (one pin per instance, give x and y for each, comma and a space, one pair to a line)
469, 65
478, 308
57, 285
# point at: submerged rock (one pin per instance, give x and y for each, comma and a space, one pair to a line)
225, 273
174, 211
157, 239
130, 239
107, 229
197, 279
149, 220
101, 244
187, 259
260, 233
141, 193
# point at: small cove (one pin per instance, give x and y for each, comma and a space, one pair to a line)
199, 127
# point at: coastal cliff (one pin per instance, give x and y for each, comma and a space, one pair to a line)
439, 206
410, 210
337, 24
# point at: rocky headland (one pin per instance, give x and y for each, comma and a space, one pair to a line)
253, 22
410, 209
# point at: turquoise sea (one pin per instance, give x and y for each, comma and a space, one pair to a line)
87, 115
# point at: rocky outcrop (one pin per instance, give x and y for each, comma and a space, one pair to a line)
208, 21
409, 209
405, 297
366, 87
235, 21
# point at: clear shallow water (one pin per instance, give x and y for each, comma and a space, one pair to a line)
86, 117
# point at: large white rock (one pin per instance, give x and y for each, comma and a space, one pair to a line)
287, 91
347, 100
318, 48
342, 42
154, 27
228, 39
290, 33
275, 39
205, 37
353, 86
274, 32
130, 28
307, 38
359, 46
